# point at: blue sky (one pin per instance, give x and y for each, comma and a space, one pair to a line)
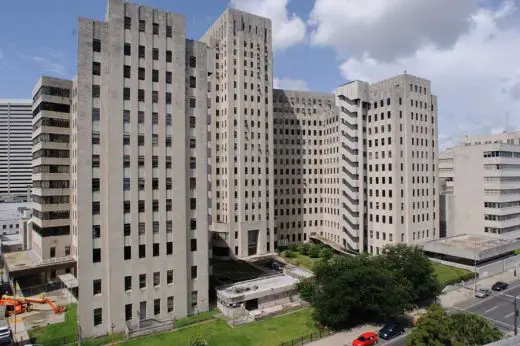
45, 41
469, 49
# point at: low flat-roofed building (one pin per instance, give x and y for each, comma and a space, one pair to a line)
248, 300
490, 254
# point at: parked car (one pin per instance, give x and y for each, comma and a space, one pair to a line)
391, 330
482, 293
499, 286
366, 339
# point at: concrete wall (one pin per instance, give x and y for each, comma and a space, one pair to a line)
488, 269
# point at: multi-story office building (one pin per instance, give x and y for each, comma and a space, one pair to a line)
368, 161
15, 148
139, 164
481, 180
241, 129
51, 164
306, 166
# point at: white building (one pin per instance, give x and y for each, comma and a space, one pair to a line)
241, 128
481, 179
15, 148
139, 163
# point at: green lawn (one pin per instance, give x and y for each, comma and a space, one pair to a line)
217, 332
302, 261
446, 274
203, 316
517, 252
53, 333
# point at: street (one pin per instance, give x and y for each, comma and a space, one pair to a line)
346, 338
498, 307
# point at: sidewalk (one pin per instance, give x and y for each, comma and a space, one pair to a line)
345, 337
454, 294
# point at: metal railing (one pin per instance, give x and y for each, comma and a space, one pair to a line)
307, 338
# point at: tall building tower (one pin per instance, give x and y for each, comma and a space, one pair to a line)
15, 147
242, 143
139, 164
389, 162
51, 166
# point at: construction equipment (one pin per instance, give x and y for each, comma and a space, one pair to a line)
22, 304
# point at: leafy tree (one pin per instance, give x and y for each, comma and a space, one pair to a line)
306, 289
326, 252
314, 251
438, 328
289, 254
350, 290
414, 267
304, 248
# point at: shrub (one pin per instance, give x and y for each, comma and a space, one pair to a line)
326, 253
304, 248
314, 251
306, 289
289, 254
293, 247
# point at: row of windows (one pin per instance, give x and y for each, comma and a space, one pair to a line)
502, 204
53, 122
51, 91
51, 107
127, 228
142, 27
501, 153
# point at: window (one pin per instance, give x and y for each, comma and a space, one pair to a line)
168, 31
96, 45
155, 29
128, 23
142, 251
96, 232
155, 54
168, 98
52, 252
95, 160
169, 248
156, 306
96, 91
142, 53
193, 82
67, 250
96, 255
193, 203
98, 316
96, 287
142, 280
141, 73
128, 253
155, 96
155, 75
169, 56
128, 312
193, 272
155, 249
128, 283
193, 102
96, 208
96, 68
96, 114
170, 304
169, 277
140, 95
128, 49
168, 77
193, 61
126, 93
142, 25
156, 278
193, 244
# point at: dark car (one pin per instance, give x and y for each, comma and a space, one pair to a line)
499, 286
391, 330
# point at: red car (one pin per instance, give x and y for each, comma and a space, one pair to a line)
366, 339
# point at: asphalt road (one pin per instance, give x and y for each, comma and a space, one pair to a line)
498, 307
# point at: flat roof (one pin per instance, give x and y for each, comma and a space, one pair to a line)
472, 246
25, 260
259, 287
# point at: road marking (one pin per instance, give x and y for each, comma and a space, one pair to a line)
497, 295
489, 310
491, 319
511, 314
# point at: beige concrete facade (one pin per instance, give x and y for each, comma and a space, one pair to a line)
50, 225
242, 185
481, 176
139, 169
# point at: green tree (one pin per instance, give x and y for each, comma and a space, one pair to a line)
326, 252
350, 290
314, 251
438, 328
306, 289
414, 267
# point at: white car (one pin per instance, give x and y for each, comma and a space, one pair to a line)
482, 293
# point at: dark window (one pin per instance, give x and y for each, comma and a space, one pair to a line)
142, 53
168, 56
193, 82
169, 276
98, 316
193, 61
126, 207
193, 244
128, 312
168, 31
128, 23
142, 251
128, 252
142, 25
193, 224
96, 286
157, 306
193, 272
155, 249
126, 93
95, 114
128, 283
140, 95
141, 73
193, 102
96, 255
193, 203
168, 98
142, 280
155, 54
127, 229
155, 29
96, 231
128, 49
52, 252
155, 96
155, 75
127, 71
96, 91
169, 248
96, 207
95, 160
96, 45
168, 77
96, 68
95, 186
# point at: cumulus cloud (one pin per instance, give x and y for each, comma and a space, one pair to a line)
288, 29
388, 29
477, 79
290, 84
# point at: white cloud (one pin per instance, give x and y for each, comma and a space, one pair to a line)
387, 29
52, 62
288, 29
477, 80
290, 84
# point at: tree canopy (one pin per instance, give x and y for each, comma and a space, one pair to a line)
438, 328
347, 290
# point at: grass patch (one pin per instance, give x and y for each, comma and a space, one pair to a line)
517, 252
203, 316
448, 275
217, 332
103, 340
55, 334
303, 261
